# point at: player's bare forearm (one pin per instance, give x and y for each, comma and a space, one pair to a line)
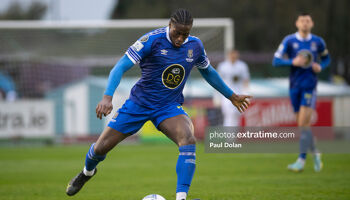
241, 102
104, 107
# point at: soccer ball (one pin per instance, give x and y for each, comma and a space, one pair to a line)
153, 197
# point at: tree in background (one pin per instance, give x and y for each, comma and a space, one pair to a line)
36, 10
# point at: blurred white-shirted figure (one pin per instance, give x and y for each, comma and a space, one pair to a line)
236, 75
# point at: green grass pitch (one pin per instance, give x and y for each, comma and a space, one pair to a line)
133, 171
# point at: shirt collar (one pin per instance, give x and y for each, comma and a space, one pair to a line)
298, 36
168, 36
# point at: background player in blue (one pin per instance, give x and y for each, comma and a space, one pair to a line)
302, 52
166, 57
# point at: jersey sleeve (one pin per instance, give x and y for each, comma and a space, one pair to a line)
322, 49
203, 61
282, 49
140, 49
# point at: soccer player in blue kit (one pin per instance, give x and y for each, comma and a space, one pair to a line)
306, 55
166, 57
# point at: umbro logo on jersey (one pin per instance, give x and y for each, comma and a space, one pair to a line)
295, 45
164, 52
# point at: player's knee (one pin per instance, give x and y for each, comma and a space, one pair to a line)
99, 149
191, 140
187, 140
303, 122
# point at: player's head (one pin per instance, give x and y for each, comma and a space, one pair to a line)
180, 25
233, 55
304, 22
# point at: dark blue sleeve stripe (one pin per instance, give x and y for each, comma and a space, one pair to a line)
134, 55
203, 64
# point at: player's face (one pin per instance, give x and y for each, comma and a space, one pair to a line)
178, 33
304, 23
233, 56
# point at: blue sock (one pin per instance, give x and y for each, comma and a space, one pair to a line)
306, 141
185, 167
92, 159
302, 155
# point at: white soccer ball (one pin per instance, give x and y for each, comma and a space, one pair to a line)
153, 197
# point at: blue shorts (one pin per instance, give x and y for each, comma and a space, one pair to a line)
302, 97
131, 116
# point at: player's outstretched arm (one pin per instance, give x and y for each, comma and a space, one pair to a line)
105, 107
241, 102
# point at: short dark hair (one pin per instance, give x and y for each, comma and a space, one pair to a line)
181, 16
303, 14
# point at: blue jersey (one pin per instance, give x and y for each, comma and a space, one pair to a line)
313, 47
164, 68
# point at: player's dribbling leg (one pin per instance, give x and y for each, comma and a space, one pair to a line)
180, 130
97, 153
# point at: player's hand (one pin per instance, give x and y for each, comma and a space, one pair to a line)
299, 61
316, 67
105, 106
240, 101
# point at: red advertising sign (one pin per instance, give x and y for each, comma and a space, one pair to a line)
264, 112
279, 112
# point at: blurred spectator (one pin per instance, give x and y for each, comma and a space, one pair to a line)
7, 88
236, 75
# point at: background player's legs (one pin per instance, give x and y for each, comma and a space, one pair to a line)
107, 141
304, 116
304, 122
180, 130
306, 138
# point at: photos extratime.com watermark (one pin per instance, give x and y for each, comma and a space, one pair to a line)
248, 134
219, 139
248, 139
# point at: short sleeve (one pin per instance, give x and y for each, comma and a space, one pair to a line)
282, 49
140, 49
203, 61
322, 49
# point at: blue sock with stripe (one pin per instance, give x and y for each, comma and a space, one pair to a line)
92, 159
185, 167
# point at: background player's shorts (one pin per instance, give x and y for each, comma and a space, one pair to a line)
302, 97
131, 116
